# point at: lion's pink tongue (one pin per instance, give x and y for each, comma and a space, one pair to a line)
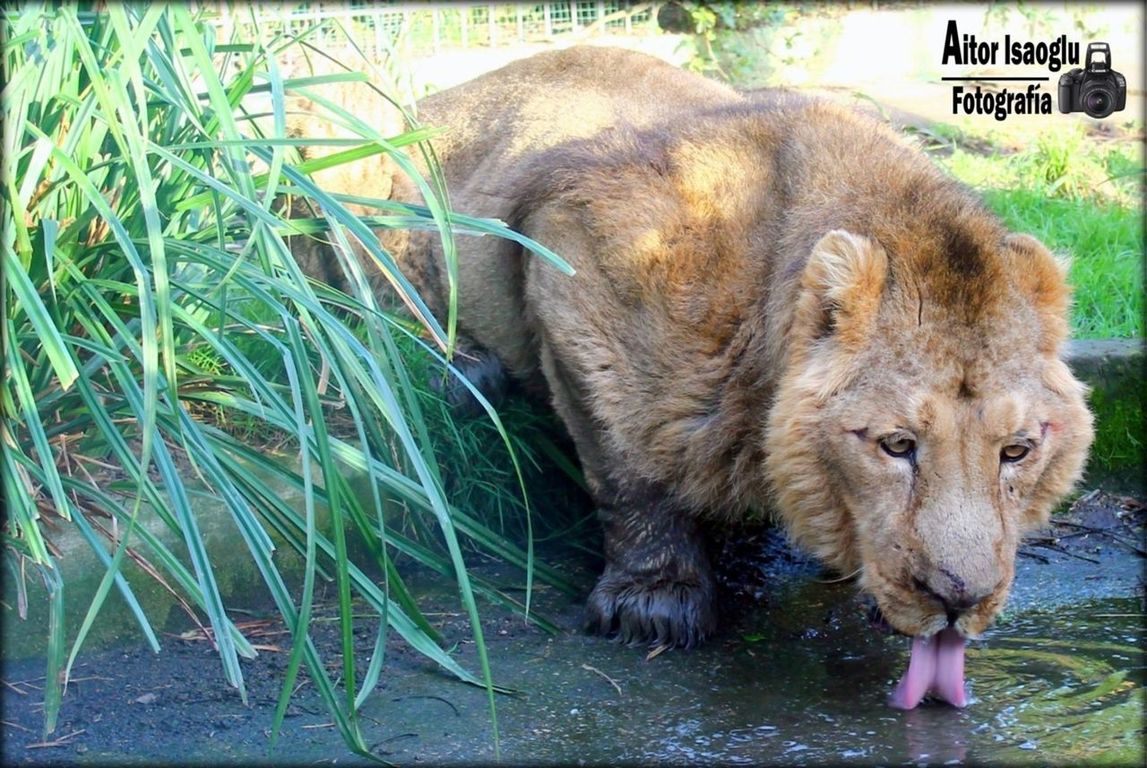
936, 667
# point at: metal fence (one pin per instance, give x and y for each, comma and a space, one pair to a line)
424, 28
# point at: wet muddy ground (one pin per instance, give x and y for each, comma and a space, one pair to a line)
797, 677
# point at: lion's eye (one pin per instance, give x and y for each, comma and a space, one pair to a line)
899, 446
1011, 453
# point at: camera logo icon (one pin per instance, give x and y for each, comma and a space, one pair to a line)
1097, 90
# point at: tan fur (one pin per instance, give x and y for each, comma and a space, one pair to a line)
764, 291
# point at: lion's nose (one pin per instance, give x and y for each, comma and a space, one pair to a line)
954, 592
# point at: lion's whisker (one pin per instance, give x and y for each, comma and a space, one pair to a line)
838, 579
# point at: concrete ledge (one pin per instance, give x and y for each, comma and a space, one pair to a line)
1088, 357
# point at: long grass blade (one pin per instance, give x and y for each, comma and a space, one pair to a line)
57, 626
29, 301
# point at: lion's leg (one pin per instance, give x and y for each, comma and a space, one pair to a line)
657, 586
482, 369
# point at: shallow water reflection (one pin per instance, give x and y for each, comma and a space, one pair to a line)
1047, 688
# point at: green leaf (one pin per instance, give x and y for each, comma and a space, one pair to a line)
51, 340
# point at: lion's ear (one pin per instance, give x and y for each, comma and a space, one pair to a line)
842, 285
1042, 278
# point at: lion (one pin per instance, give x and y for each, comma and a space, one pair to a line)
778, 304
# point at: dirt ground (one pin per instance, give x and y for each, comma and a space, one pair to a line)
130, 706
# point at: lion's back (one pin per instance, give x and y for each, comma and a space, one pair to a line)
559, 96
497, 131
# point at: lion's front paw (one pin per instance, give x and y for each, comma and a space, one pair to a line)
665, 613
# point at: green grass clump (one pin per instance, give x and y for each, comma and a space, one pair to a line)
154, 321
1106, 247
1082, 199
1120, 428
533, 452
1061, 163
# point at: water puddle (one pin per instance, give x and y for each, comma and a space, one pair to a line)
799, 678
1063, 687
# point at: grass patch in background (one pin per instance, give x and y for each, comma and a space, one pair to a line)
1106, 246
1081, 197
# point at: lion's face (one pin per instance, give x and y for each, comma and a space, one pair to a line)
914, 448
939, 486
